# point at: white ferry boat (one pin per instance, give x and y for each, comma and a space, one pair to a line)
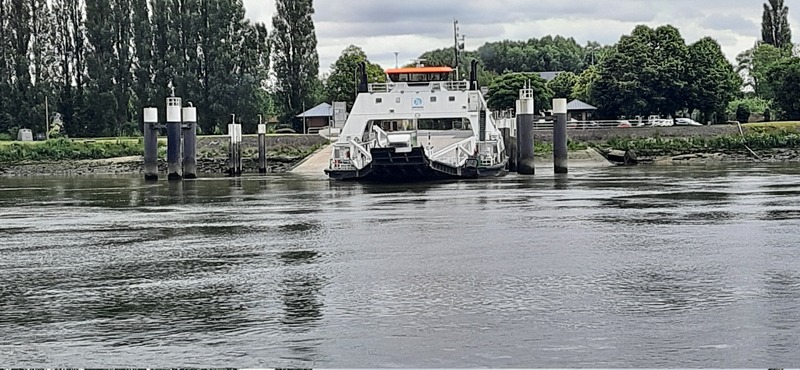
420, 126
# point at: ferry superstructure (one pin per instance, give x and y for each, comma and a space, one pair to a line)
421, 125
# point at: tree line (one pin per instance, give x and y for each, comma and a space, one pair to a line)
650, 71
99, 62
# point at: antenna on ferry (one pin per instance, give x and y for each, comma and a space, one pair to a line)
419, 62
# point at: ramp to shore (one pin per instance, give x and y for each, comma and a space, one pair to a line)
316, 163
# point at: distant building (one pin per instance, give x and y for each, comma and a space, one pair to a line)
549, 76
317, 118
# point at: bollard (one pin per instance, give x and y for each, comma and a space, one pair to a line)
189, 143
235, 149
150, 144
239, 167
262, 148
560, 153
525, 136
506, 132
174, 138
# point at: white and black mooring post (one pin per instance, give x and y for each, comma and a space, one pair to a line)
525, 136
174, 138
560, 153
150, 144
262, 147
189, 142
235, 148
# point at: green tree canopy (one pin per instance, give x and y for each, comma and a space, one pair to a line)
584, 85
535, 55
785, 80
754, 63
504, 91
342, 83
775, 28
645, 74
563, 85
713, 80
293, 44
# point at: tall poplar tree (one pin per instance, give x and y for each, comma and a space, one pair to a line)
42, 56
5, 66
70, 44
100, 67
293, 45
775, 28
143, 59
122, 64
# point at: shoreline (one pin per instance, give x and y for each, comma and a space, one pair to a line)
218, 166
134, 165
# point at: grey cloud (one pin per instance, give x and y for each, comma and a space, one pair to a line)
414, 26
480, 12
730, 22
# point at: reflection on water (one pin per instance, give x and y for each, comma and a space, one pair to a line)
612, 267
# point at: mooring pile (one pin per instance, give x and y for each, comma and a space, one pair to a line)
181, 128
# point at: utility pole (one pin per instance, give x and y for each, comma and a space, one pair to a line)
455, 37
46, 119
459, 46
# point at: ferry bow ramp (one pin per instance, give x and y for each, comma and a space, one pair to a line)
316, 163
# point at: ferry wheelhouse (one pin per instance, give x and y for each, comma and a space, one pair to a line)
422, 125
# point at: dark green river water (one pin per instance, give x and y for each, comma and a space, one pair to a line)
608, 267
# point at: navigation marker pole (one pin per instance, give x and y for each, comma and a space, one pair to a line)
174, 138
189, 142
150, 144
525, 135
560, 153
262, 146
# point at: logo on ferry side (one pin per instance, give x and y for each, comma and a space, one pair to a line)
416, 103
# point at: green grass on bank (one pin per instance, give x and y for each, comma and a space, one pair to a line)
776, 125
757, 138
63, 149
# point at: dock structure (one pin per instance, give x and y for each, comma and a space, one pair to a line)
189, 142
262, 148
150, 144
525, 132
560, 150
235, 148
315, 164
181, 127
174, 168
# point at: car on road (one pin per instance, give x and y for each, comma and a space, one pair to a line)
686, 122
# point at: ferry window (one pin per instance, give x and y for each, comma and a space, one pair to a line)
378, 100
452, 98
442, 124
402, 77
433, 99
418, 77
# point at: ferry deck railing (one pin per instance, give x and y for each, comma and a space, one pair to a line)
432, 86
457, 153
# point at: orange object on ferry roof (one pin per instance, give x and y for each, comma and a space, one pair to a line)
419, 70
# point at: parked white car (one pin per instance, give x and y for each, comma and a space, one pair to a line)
687, 122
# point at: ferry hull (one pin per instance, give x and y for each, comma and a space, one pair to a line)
390, 166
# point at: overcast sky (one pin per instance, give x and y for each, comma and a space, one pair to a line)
411, 27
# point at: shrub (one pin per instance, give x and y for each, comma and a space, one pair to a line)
63, 149
743, 113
